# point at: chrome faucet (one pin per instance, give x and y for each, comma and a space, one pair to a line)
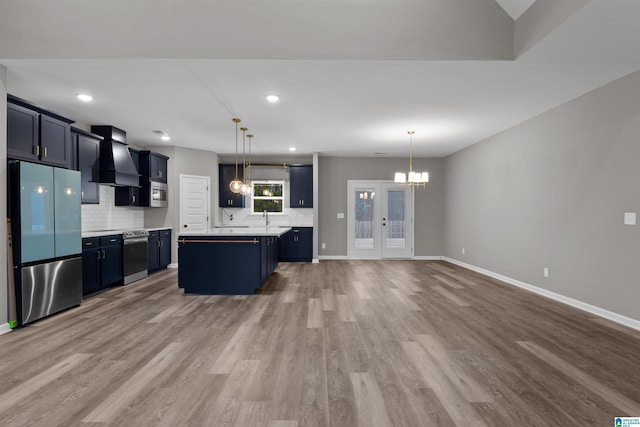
265, 215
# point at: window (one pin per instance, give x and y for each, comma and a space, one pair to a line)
267, 196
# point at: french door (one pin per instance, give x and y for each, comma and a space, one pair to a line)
380, 220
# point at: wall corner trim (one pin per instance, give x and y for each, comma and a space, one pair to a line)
4, 328
601, 312
173, 265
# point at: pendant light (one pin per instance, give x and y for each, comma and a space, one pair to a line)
248, 165
235, 184
245, 188
415, 179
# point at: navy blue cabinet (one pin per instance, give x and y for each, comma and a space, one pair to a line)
153, 166
101, 263
228, 199
223, 265
297, 245
91, 256
159, 255
301, 186
165, 248
85, 149
37, 135
153, 253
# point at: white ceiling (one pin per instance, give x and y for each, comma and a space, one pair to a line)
343, 91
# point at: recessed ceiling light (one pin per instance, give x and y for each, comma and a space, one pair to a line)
292, 148
273, 98
163, 135
84, 97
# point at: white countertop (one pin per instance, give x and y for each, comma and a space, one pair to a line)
275, 231
100, 233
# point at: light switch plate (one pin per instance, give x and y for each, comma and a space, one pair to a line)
629, 218
340, 215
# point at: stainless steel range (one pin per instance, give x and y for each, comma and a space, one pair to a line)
134, 255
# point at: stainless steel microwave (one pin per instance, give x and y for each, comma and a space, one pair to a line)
158, 196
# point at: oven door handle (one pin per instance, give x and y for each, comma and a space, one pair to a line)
136, 240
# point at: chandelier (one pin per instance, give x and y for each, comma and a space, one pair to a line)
414, 179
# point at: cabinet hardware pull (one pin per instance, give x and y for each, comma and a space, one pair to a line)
37, 147
98, 254
133, 198
45, 151
254, 241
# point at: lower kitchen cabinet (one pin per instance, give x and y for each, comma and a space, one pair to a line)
159, 249
101, 263
296, 245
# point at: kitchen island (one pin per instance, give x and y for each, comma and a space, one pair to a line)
227, 261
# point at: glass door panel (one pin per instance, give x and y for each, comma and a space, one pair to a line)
396, 221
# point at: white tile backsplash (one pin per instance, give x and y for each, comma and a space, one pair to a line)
291, 217
108, 216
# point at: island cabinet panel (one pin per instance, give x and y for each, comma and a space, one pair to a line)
219, 265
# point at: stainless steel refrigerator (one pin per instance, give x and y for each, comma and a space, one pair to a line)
44, 206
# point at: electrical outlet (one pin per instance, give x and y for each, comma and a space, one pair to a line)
324, 246
545, 272
340, 215
629, 218
462, 251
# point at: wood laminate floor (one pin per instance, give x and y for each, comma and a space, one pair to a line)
340, 343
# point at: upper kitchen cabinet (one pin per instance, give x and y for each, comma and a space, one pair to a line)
301, 186
229, 199
86, 147
37, 135
154, 166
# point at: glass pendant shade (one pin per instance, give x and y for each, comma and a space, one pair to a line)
235, 186
245, 189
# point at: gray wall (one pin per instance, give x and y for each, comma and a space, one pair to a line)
551, 192
3, 197
334, 172
185, 161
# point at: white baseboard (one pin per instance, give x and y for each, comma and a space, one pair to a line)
4, 328
315, 261
428, 258
332, 257
173, 265
614, 317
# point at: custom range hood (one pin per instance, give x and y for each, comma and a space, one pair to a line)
116, 165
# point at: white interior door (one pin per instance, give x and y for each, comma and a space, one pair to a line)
194, 203
380, 220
